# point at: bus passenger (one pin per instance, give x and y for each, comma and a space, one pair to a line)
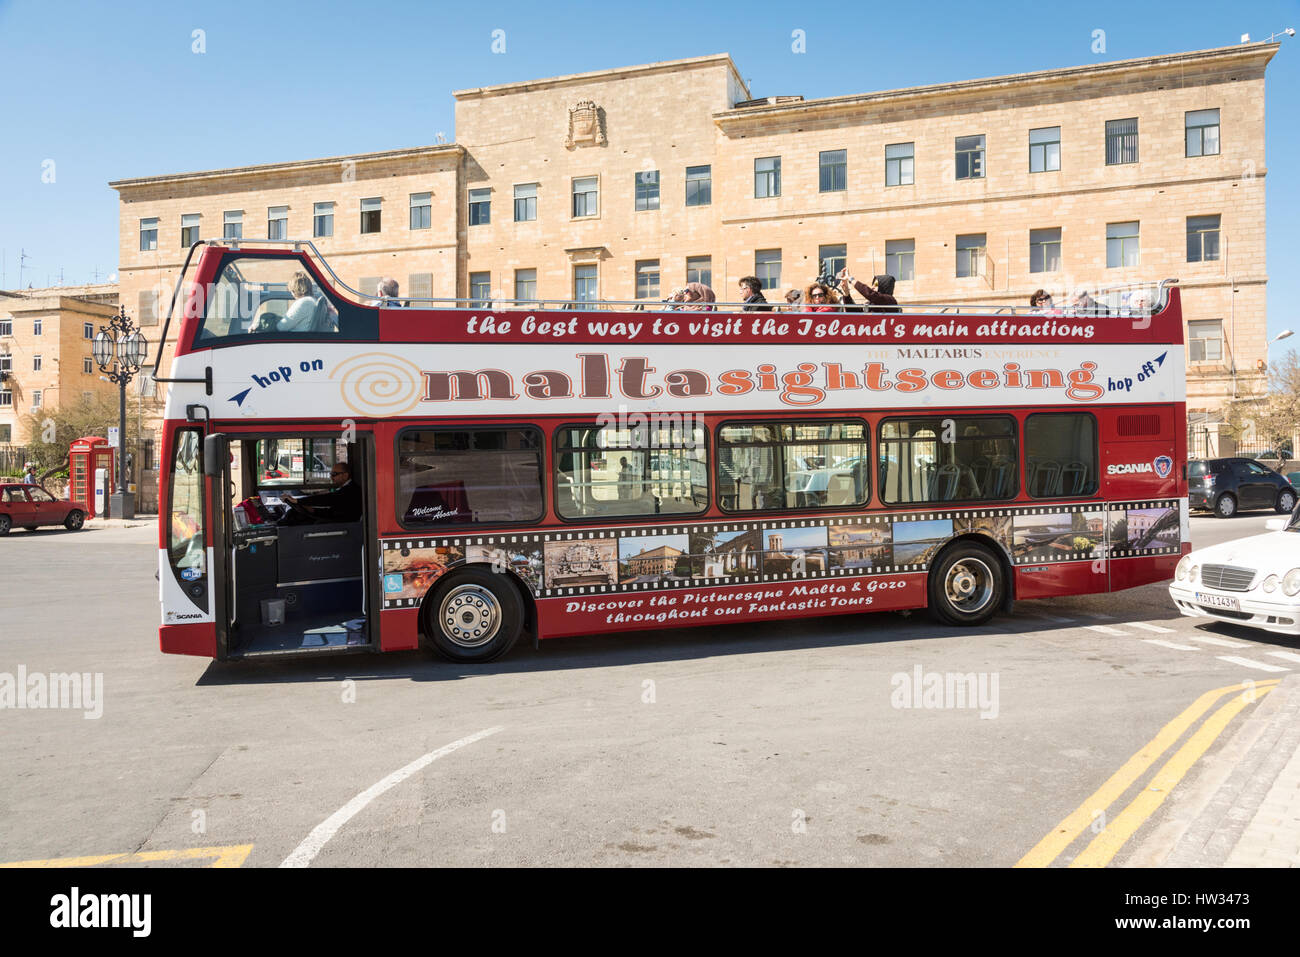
820, 298
880, 296
302, 311
751, 293
793, 298
388, 293
696, 295
1041, 303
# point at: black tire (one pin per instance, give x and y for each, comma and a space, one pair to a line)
468, 602
967, 585
1225, 506
6, 523
74, 521
1285, 501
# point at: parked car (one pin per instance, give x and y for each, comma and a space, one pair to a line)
1229, 486
30, 506
1252, 581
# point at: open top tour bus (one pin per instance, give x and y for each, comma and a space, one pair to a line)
344, 473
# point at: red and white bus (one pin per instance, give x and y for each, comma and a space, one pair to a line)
570, 469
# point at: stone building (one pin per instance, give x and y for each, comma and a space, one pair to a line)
45, 351
621, 184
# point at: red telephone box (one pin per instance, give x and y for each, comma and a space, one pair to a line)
84, 457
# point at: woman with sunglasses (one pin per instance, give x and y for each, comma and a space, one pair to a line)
818, 297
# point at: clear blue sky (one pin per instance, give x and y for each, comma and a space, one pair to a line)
113, 90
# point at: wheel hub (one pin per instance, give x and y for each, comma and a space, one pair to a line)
470, 615
969, 585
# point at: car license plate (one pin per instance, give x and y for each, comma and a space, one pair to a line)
1218, 601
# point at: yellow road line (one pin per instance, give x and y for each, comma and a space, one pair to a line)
1107, 844
233, 855
1051, 846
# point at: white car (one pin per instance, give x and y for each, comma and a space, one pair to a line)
1252, 581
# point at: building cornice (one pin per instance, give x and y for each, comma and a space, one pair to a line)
418, 152
618, 73
1244, 53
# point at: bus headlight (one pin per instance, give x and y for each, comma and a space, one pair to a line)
1291, 584
1180, 573
1270, 584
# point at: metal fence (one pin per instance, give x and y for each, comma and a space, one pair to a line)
12, 458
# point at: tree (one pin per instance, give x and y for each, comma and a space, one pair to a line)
51, 431
1279, 414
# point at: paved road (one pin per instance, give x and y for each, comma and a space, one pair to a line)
758, 744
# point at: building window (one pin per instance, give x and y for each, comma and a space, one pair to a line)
6, 327
36, 398
1202, 239
833, 171
1205, 340
1045, 149
148, 234
372, 214
764, 466
232, 224
832, 258
647, 279
970, 157
38, 327
465, 477
900, 258
6, 399
419, 285
1122, 247
368, 286
88, 330
525, 202
1203, 133
699, 185
277, 222
585, 190
322, 220
190, 229
767, 177
6, 362
767, 267
480, 289
147, 307
87, 365
421, 210
619, 471
970, 255
6, 431
699, 269
584, 284
1121, 141
525, 285
647, 189
36, 362
900, 160
1045, 250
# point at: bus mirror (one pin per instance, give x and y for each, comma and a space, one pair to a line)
216, 449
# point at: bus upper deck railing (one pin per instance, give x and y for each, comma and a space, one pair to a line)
1119, 301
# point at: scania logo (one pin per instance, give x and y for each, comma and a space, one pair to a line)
1129, 468
1164, 465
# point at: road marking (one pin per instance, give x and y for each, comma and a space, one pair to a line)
1155, 628
1247, 663
1107, 844
1106, 630
231, 856
1101, 617
1050, 847
303, 854
1221, 642
1056, 618
1169, 644
1285, 655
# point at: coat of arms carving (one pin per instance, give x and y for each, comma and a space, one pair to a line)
585, 126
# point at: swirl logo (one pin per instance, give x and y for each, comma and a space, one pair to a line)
378, 384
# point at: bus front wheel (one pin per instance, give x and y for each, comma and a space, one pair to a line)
967, 585
474, 615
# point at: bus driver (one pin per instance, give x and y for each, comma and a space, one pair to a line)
342, 503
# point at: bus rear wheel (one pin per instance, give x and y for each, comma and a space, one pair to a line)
967, 585
473, 615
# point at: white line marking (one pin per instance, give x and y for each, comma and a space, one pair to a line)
1106, 630
1285, 655
302, 854
1155, 628
1246, 662
1056, 618
1221, 642
1098, 615
1169, 644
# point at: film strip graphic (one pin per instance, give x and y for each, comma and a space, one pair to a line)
563, 562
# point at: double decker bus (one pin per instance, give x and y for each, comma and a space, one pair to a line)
342, 473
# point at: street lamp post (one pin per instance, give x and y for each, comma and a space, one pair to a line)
120, 351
